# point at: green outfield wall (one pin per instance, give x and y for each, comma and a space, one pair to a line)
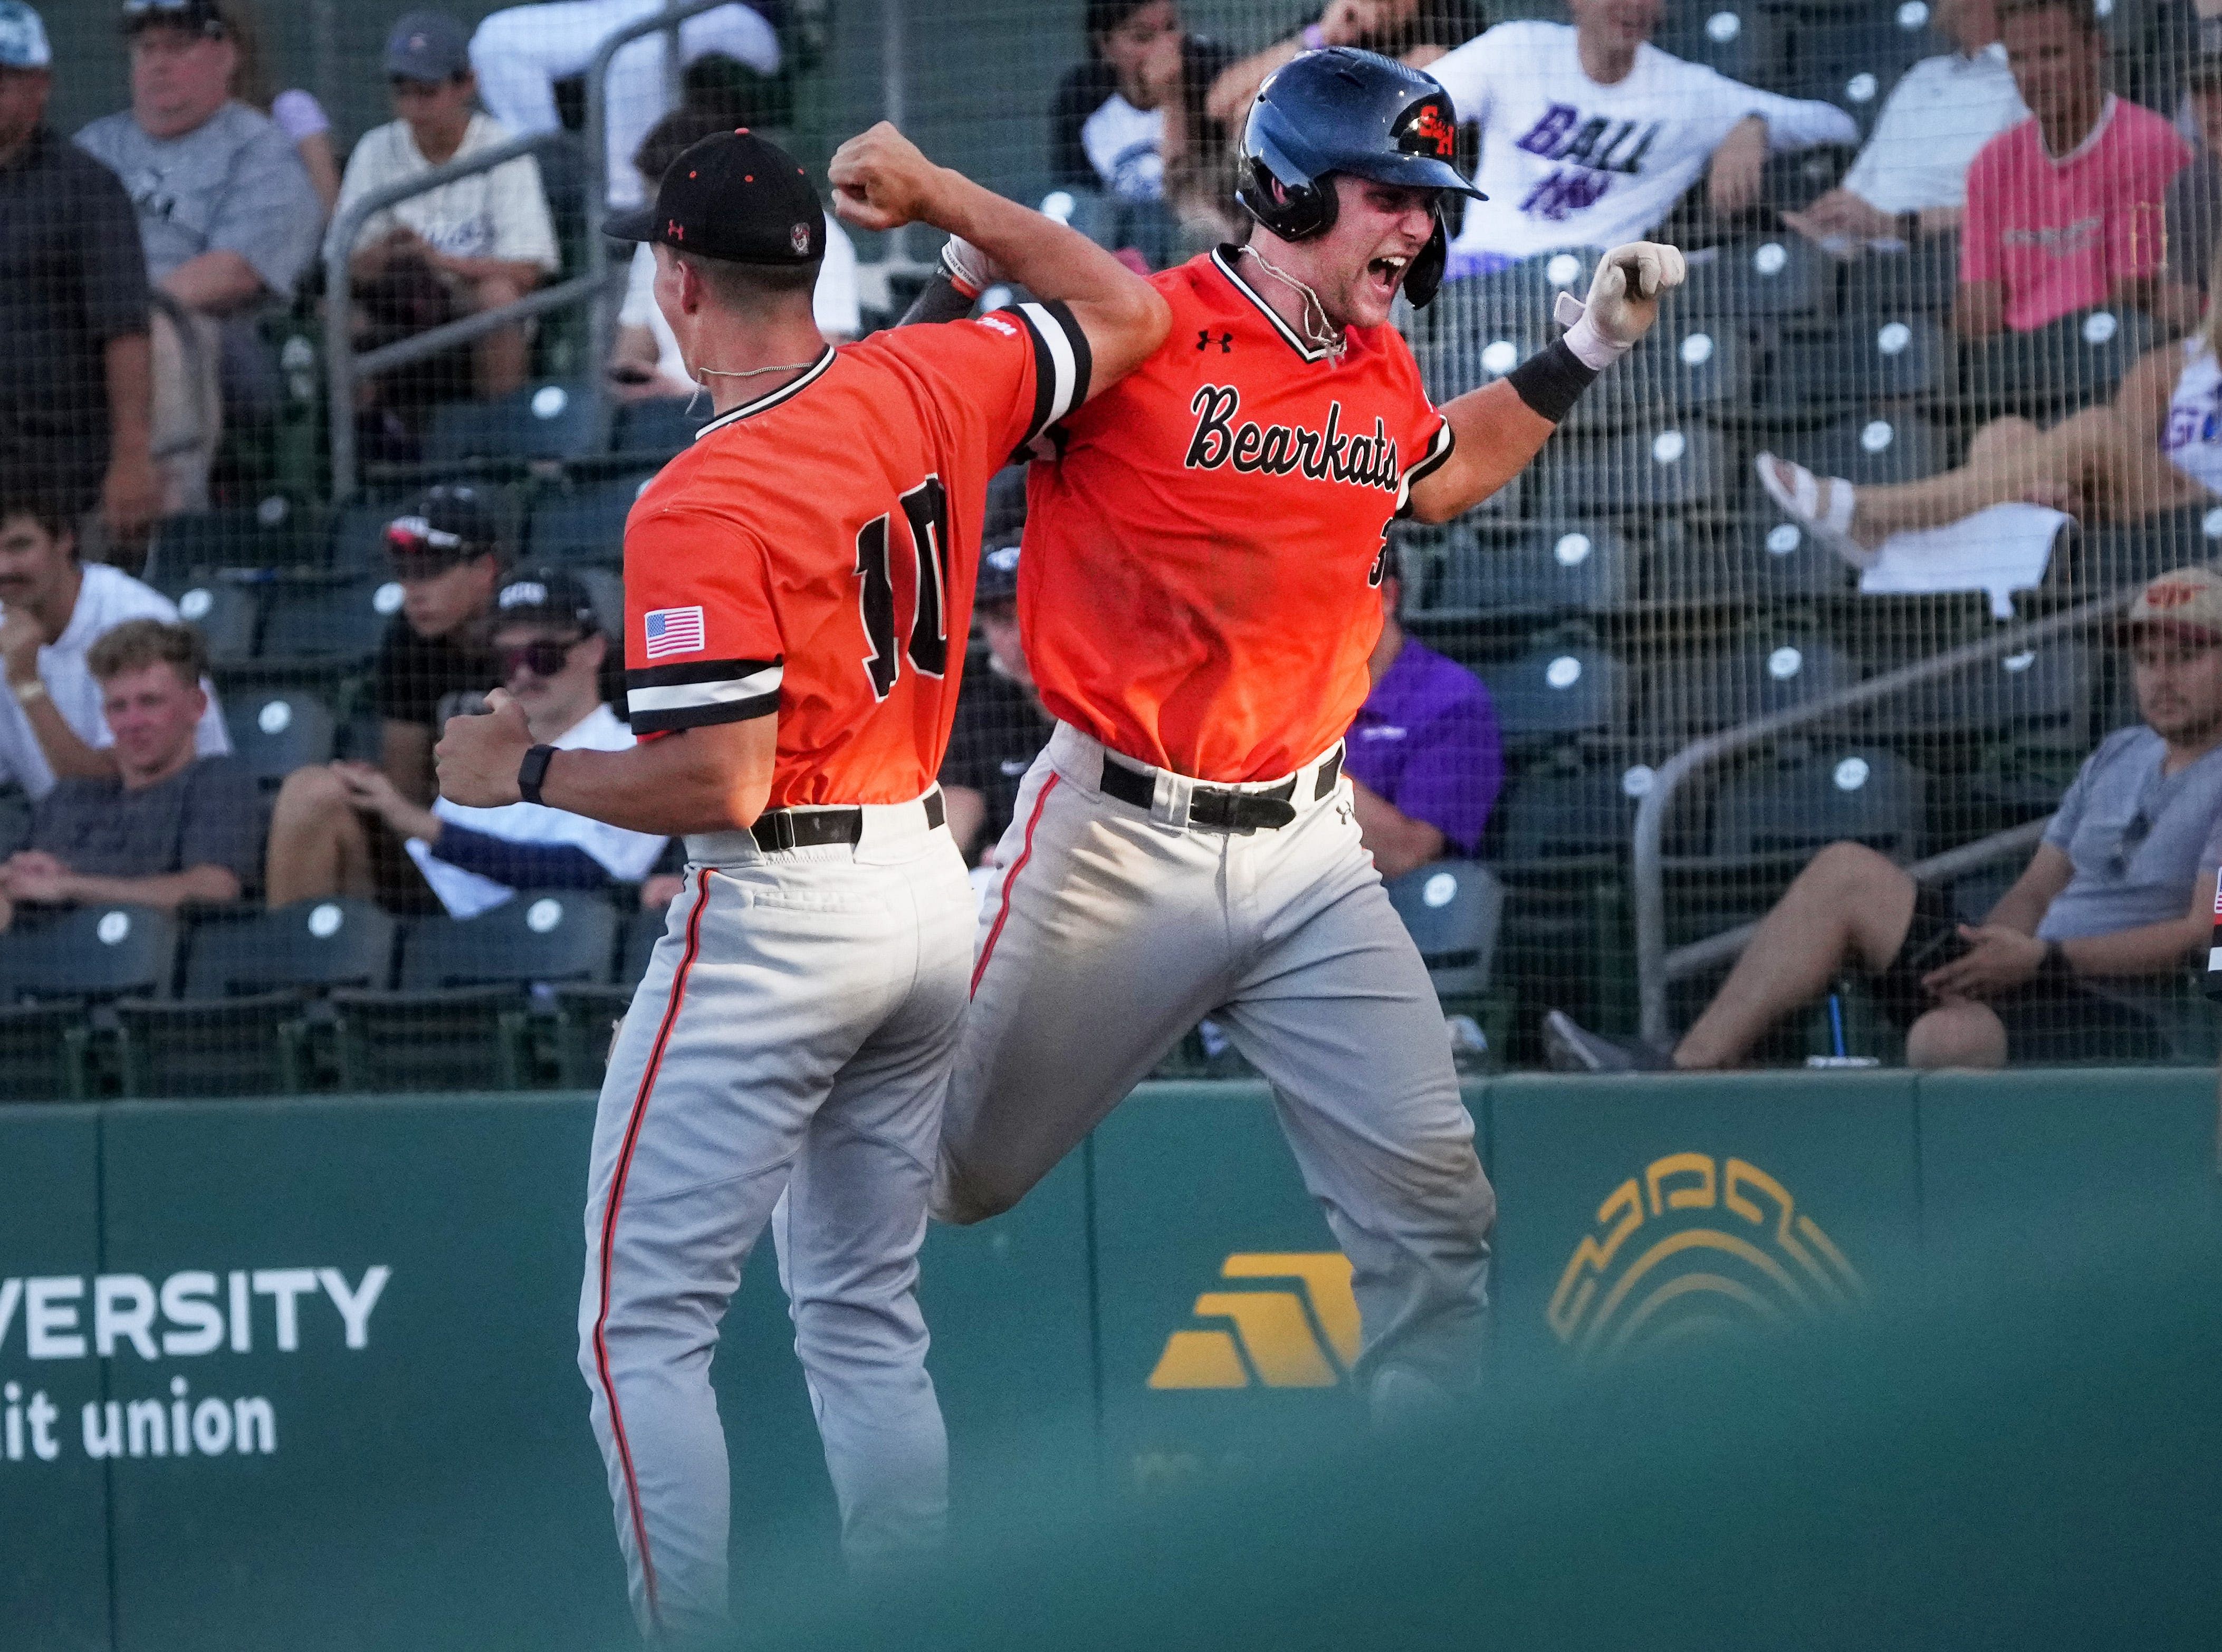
301, 1373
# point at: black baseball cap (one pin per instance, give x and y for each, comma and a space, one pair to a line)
736, 197
447, 524
197, 16
545, 596
1005, 524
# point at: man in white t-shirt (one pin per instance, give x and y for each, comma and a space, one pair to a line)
1910, 180
485, 240
549, 649
1590, 133
644, 359
52, 610
521, 52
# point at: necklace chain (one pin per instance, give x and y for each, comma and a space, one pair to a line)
1325, 335
753, 372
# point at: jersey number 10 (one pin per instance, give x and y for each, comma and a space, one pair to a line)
926, 508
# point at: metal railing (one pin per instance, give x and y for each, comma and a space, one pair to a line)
600, 285
1656, 967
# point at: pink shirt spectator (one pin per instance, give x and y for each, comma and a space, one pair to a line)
2060, 233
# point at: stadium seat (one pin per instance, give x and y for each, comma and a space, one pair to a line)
246, 1021
1782, 277
1854, 62
357, 546
586, 1014
327, 625
659, 428
1567, 814
1922, 280
1787, 809
91, 953
1561, 568
44, 1053
1723, 691
1450, 908
275, 732
1866, 358
583, 525
1742, 42
1564, 687
543, 421
1871, 447
2116, 555
1681, 368
274, 534
1678, 466
224, 613
2075, 362
1750, 562
1517, 301
2046, 690
459, 1019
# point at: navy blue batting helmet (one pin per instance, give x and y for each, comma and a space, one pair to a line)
1345, 110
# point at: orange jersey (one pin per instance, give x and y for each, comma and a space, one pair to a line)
1200, 586
813, 554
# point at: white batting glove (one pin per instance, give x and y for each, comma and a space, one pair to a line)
970, 271
1624, 301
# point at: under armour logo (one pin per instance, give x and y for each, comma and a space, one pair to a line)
1203, 341
675, 229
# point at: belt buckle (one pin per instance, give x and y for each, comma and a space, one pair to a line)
782, 830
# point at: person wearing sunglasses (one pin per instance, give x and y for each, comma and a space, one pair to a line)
2081, 960
444, 554
549, 649
228, 219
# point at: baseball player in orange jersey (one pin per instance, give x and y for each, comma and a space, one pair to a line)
798, 594
1198, 599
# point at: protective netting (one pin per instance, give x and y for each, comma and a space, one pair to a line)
1973, 340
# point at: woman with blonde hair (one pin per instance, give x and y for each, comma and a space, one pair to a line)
2155, 447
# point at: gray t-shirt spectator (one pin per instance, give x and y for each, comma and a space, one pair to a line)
208, 813
232, 184
2192, 215
2138, 839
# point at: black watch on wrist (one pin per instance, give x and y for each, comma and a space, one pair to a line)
532, 771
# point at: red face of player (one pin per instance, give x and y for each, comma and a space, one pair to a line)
1358, 266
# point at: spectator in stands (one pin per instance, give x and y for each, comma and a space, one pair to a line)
549, 649
2156, 446
1910, 180
476, 244
2065, 209
54, 609
167, 825
2192, 210
1000, 726
1414, 32
1424, 757
1590, 133
1133, 125
2113, 902
644, 359
520, 53
226, 211
296, 113
445, 554
74, 281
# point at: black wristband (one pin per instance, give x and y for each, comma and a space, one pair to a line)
1552, 380
532, 771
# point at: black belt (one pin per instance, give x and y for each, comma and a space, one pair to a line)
1220, 809
807, 828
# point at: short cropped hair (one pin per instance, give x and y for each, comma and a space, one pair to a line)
2084, 14
137, 643
750, 287
22, 496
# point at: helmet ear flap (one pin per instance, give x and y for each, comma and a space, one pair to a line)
1426, 274
1292, 211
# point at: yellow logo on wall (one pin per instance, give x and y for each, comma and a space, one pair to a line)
1291, 1339
1690, 1247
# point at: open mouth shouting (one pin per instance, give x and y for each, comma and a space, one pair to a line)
1385, 272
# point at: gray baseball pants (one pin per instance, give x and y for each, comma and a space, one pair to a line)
783, 1062
1116, 928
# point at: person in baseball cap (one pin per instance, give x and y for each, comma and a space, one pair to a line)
736, 198
428, 48
2184, 603
194, 16
446, 525
548, 597
22, 38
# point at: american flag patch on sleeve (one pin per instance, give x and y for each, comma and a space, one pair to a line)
673, 631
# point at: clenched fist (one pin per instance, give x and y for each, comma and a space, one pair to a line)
477, 757
880, 181
1623, 300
